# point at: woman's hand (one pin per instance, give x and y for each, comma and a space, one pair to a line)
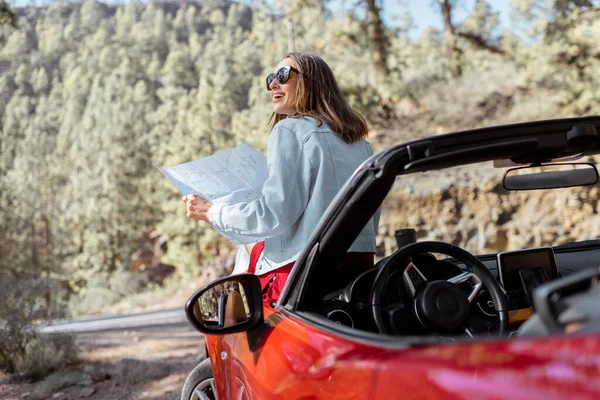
197, 207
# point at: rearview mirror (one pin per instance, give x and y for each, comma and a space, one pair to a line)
228, 305
550, 176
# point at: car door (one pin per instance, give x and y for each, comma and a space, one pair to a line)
527, 368
219, 347
296, 360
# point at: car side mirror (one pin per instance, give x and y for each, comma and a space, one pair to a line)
227, 305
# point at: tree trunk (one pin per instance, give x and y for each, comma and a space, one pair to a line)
290, 31
47, 243
378, 39
450, 38
7, 18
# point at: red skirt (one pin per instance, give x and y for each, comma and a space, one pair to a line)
273, 281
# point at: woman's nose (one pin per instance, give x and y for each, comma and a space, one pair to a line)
274, 84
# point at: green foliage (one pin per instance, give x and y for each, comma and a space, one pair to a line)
565, 54
23, 351
104, 290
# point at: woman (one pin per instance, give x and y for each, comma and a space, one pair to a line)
316, 143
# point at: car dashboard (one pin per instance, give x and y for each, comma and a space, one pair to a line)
351, 305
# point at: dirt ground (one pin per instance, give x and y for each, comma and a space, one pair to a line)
151, 363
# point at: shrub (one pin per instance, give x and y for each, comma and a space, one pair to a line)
23, 350
44, 353
103, 290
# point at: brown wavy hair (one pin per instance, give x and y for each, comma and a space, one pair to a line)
319, 96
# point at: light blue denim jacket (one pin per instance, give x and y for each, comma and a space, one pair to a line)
308, 164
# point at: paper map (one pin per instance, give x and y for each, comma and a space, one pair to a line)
231, 176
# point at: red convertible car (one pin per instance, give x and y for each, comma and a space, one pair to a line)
488, 293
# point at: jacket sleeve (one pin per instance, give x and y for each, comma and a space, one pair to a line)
284, 196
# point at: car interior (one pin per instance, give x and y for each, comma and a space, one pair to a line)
491, 249
350, 305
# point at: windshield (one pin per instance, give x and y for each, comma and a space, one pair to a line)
467, 206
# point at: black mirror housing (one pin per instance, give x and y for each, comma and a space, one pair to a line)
228, 305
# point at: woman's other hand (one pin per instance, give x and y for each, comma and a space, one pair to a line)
197, 207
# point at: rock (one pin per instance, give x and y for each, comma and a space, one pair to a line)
97, 374
61, 380
87, 392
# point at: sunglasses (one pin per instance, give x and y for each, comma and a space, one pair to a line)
282, 75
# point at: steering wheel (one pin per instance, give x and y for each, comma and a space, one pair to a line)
441, 307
